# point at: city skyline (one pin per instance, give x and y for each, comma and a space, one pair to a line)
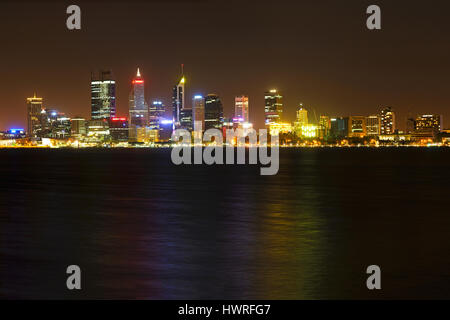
340, 70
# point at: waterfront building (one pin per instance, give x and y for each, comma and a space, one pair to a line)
339, 127
103, 95
273, 108
186, 119
324, 126
277, 128
213, 110
387, 121
373, 125
241, 108
178, 99
34, 109
156, 113
357, 126
198, 113
98, 131
138, 109
310, 131
428, 123
165, 129
301, 120
119, 129
78, 128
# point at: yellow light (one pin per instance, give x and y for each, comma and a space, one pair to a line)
182, 80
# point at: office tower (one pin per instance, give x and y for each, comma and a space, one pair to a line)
103, 95
428, 124
186, 119
241, 108
373, 124
302, 116
301, 120
213, 112
78, 128
156, 113
119, 129
324, 126
178, 100
273, 106
387, 121
34, 109
339, 127
166, 129
138, 108
357, 126
98, 131
55, 124
198, 113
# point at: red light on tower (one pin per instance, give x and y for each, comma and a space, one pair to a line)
138, 81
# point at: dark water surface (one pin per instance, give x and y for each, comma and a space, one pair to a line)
141, 227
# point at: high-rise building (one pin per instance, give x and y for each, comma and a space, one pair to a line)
137, 107
186, 119
301, 120
373, 124
178, 100
34, 109
357, 126
339, 127
78, 128
103, 96
273, 106
213, 112
302, 115
387, 121
118, 129
241, 108
324, 126
198, 113
428, 124
156, 113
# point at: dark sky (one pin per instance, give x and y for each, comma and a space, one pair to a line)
316, 52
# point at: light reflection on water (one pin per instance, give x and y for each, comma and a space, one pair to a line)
140, 227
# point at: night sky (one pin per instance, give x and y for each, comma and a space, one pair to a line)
316, 52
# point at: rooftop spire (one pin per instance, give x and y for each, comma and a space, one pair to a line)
138, 74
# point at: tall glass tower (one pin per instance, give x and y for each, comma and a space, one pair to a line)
241, 108
138, 108
213, 112
103, 96
178, 99
273, 106
34, 109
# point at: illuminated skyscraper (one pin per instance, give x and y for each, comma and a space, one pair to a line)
118, 129
198, 113
302, 115
273, 106
324, 126
387, 121
137, 107
103, 96
178, 101
213, 112
78, 128
156, 113
34, 109
186, 119
301, 121
241, 108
